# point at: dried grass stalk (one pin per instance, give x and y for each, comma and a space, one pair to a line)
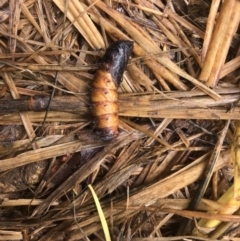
82, 22
10, 235
230, 66
210, 25
224, 45
216, 40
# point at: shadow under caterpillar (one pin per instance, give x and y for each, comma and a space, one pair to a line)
104, 95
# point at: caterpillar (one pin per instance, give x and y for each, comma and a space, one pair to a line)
103, 94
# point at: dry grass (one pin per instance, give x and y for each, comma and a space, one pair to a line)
179, 129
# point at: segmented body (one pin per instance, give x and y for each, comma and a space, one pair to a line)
104, 95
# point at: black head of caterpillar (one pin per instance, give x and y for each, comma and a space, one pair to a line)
107, 79
116, 59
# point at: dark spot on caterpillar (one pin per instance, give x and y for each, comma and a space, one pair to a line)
107, 79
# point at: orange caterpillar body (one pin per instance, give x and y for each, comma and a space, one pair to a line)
104, 95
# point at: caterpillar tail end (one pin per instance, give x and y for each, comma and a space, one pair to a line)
107, 126
107, 134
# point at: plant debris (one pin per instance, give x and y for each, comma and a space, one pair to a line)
172, 173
